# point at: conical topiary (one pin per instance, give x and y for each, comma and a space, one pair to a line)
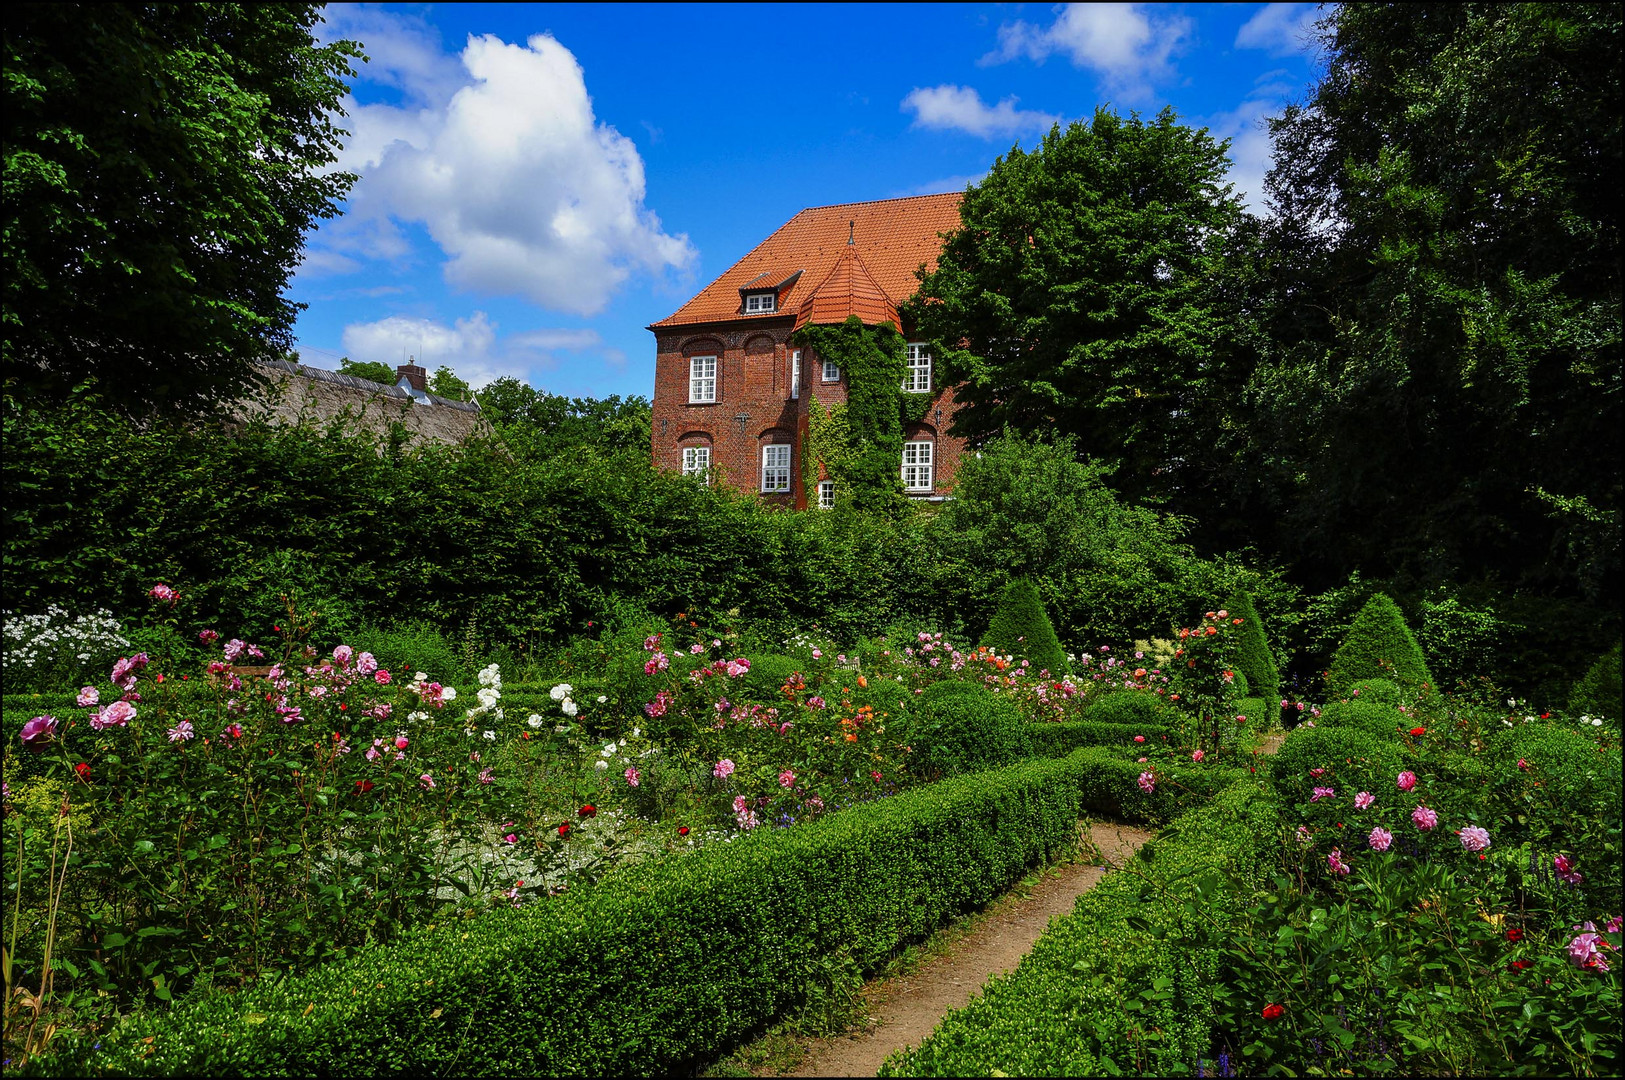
1379, 646
1021, 628
1253, 654
1597, 694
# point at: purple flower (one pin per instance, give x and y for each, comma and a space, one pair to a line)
1380, 839
1586, 952
1424, 818
39, 733
182, 732
1474, 838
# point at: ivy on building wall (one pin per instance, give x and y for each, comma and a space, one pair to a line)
861, 444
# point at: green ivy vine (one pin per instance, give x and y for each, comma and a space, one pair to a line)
861, 443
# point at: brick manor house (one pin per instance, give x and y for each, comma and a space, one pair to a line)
732, 394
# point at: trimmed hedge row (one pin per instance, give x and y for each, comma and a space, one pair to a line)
1104, 992
1059, 740
662, 966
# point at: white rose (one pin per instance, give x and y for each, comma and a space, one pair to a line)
568, 706
600, 765
534, 721
448, 693
559, 692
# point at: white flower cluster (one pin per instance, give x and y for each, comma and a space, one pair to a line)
489, 693
561, 694
44, 643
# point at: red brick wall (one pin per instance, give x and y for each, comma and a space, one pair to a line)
753, 406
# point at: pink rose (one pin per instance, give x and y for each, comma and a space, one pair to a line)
88, 697
1406, 780
633, 777
723, 769
787, 779
1139, 738
426, 782
1335, 863
118, 714
1380, 839
1474, 838
1147, 782
1424, 818
1197, 756
1322, 793
381, 677
1364, 800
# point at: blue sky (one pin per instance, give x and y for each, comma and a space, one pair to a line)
541, 182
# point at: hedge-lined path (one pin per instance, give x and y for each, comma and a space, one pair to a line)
907, 1008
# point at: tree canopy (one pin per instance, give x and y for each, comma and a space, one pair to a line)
1084, 293
163, 163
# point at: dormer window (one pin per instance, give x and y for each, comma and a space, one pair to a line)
761, 303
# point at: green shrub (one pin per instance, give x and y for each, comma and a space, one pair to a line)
1021, 628
415, 646
1349, 756
959, 727
1372, 717
1598, 691
1130, 707
1579, 776
1254, 659
1112, 988
766, 676
1059, 740
658, 968
1379, 646
1378, 691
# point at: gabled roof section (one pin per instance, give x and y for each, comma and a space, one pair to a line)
890, 237
848, 290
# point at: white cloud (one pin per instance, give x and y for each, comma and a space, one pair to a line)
1281, 29
504, 164
960, 108
471, 347
1246, 128
941, 185
1128, 47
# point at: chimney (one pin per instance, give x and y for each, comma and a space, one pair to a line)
413, 374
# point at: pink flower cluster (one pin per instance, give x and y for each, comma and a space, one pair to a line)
1587, 951
1335, 863
723, 769
1147, 782
1322, 793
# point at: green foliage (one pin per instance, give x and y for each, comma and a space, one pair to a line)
1440, 395
1379, 719
1124, 984
1021, 629
1350, 758
1253, 656
1083, 294
445, 383
960, 727
537, 425
371, 370
1597, 693
873, 361
1379, 646
163, 165
1131, 707
1378, 691
1060, 739
414, 646
656, 970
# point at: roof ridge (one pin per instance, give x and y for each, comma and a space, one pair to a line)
873, 202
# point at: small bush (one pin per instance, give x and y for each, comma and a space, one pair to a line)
1021, 628
415, 646
1376, 719
959, 727
1130, 707
1059, 740
1254, 659
1348, 756
1377, 691
763, 682
1598, 691
1379, 646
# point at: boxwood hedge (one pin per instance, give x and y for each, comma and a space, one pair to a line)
1112, 988
661, 966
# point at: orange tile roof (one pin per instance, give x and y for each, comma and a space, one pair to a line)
848, 290
890, 238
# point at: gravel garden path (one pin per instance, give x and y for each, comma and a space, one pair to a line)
907, 1008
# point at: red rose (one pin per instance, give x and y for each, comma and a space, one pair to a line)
83, 770
682, 830
1519, 965
1419, 731
1273, 1011
1514, 933
564, 830
587, 811
363, 786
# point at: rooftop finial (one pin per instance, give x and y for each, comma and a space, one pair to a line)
851, 228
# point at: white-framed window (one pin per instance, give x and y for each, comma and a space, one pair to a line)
758, 303
917, 466
697, 462
702, 378
795, 374
826, 494
918, 379
832, 372
776, 467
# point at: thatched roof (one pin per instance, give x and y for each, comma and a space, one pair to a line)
298, 393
